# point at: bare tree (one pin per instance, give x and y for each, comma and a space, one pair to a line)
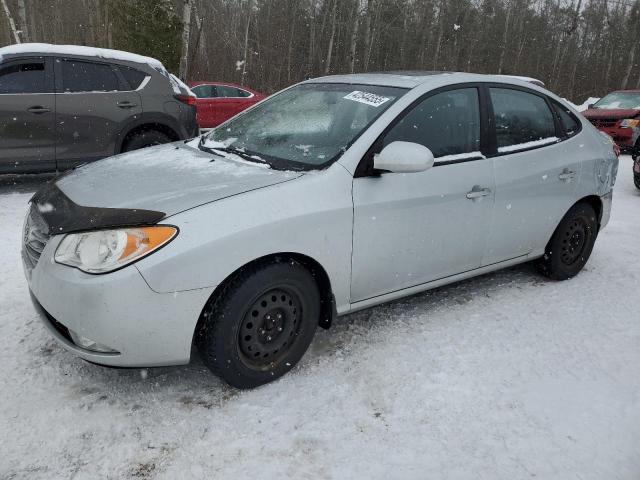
12, 23
186, 31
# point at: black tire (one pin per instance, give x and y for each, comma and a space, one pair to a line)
571, 244
261, 323
145, 138
636, 180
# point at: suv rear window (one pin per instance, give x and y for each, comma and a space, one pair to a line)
23, 76
133, 77
81, 76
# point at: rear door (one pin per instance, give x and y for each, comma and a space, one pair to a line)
231, 101
27, 116
205, 104
536, 166
93, 104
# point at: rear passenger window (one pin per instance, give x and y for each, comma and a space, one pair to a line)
133, 77
204, 91
79, 76
23, 76
447, 123
523, 120
224, 91
570, 124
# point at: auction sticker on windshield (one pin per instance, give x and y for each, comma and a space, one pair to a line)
367, 98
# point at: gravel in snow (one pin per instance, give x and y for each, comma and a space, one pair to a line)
506, 376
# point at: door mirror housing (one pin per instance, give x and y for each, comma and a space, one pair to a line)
403, 157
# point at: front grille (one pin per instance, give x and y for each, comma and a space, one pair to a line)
34, 238
603, 122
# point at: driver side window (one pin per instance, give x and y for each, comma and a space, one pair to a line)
447, 123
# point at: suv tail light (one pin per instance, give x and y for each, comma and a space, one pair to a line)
187, 99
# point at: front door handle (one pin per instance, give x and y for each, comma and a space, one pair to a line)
127, 104
38, 110
567, 175
478, 192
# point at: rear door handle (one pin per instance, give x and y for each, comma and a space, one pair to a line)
127, 104
38, 109
477, 192
567, 175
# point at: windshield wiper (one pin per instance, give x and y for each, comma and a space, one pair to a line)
240, 153
212, 151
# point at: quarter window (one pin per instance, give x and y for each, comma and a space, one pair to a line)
23, 77
79, 76
523, 120
133, 77
447, 123
570, 124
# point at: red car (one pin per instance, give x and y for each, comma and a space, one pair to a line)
217, 102
618, 115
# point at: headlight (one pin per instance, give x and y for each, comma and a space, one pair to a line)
103, 251
630, 123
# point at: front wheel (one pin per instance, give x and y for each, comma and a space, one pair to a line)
571, 244
261, 324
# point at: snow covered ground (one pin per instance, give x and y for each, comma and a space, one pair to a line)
506, 376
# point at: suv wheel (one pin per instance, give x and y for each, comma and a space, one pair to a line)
570, 246
145, 138
261, 324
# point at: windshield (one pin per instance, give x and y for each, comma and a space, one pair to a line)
620, 100
305, 127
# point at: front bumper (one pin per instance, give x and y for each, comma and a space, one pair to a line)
118, 310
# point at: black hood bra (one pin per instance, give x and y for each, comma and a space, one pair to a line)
62, 215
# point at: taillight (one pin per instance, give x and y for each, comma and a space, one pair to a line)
187, 99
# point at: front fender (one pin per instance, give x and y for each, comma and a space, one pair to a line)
312, 216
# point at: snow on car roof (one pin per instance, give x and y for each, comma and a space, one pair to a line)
48, 48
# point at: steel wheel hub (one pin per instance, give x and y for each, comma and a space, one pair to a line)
270, 326
574, 241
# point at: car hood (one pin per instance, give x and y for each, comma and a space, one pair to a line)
168, 178
613, 113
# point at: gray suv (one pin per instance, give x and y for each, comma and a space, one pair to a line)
63, 105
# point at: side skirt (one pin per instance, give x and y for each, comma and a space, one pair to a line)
405, 292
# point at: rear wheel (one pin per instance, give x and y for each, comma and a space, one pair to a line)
571, 244
145, 138
261, 324
636, 180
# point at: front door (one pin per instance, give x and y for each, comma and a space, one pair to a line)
93, 105
27, 116
410, 229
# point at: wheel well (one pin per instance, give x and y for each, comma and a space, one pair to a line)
328, 304
596, 202
158, 127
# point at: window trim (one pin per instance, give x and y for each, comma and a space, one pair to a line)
122, 85
559, 130
555, 105
251, 94
48, 73
365, 166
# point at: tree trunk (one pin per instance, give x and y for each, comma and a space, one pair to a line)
627, 74
354, 38
368, 36
12, 24
327, 63
186, 30
245, 55
505, 38
22, 15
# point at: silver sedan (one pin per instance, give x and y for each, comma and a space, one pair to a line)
331, 196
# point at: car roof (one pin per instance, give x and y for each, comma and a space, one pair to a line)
631, 90
411, 79
78, 50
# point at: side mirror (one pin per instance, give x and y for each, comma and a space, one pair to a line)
404, 157
590, 106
